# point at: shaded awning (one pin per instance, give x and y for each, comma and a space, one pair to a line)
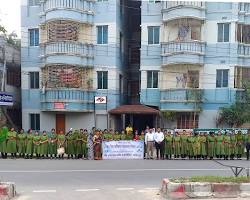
134, 109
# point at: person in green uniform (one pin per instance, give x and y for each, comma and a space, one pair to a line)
184, 144
233, 150
219, 145
226, 141
53, 144
29, 145
44, 144
11, 143
79, 141
129, 135
211, 145
61, 140
116, 136
247, 140
203, 143
36, 144
168, 145
3, 137
177, 145
70, 144
240, 145
196, 146
190, 141
21, 143
123, 135
84, 143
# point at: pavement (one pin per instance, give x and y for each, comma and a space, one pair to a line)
105, 179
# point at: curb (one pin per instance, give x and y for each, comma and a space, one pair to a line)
198, 190
7, 190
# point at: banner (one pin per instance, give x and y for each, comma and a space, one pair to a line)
123, 149
6, 99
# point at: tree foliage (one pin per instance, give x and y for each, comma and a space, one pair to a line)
238, 113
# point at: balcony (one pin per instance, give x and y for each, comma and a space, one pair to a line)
67, 52
76, 10
72, 100
186, 52
183, 9
244, 50
184, 99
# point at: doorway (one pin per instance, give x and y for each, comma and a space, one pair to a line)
60, 123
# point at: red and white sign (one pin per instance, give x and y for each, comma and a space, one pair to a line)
99, 100
59, 105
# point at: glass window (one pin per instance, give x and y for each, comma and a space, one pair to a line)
102, 80
34, 80
102, 34
152, 79
34, 37
34, 2
153, 34
223, 32
35, 121
222, 78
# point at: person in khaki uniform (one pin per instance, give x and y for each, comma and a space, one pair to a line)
11, 142
21, 143
168, 145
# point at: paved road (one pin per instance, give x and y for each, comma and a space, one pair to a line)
112, 180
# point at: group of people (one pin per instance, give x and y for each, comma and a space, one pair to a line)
88, 144
197, 145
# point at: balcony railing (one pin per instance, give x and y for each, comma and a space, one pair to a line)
80, 5
175, 47
172, 4
67, 47
182, 95
67, 95
244, 49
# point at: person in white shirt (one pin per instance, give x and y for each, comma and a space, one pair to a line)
159, 143
149, 141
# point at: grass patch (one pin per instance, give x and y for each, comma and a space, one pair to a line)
213, 179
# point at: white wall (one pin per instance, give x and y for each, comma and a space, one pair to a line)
79, 120
207, 119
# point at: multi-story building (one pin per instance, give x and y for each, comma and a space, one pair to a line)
195, 58
72, 51
10, 80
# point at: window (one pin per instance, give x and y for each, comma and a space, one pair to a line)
223, 32
221, 78
34, 37
241, 77
13, 77
34, 2
34, 80
153, 34
152, 79
102, 79
187, 120
101, 0
243, 33
102, 34
154, 1
35, 121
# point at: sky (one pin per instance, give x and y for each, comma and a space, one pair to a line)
10, 16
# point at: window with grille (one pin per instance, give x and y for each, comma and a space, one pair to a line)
34, 2
153, 35
222, 78
187, 120
61, 30
102, 34
67, 76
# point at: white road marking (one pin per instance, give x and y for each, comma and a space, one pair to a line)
44, 191
86, 190
123, 189
151, 188
109, 170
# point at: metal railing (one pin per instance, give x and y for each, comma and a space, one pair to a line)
182, 94
244, 49
172, 4
185, 46
67, 47
51, 95
81, 5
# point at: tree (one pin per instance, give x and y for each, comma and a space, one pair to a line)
238, 113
